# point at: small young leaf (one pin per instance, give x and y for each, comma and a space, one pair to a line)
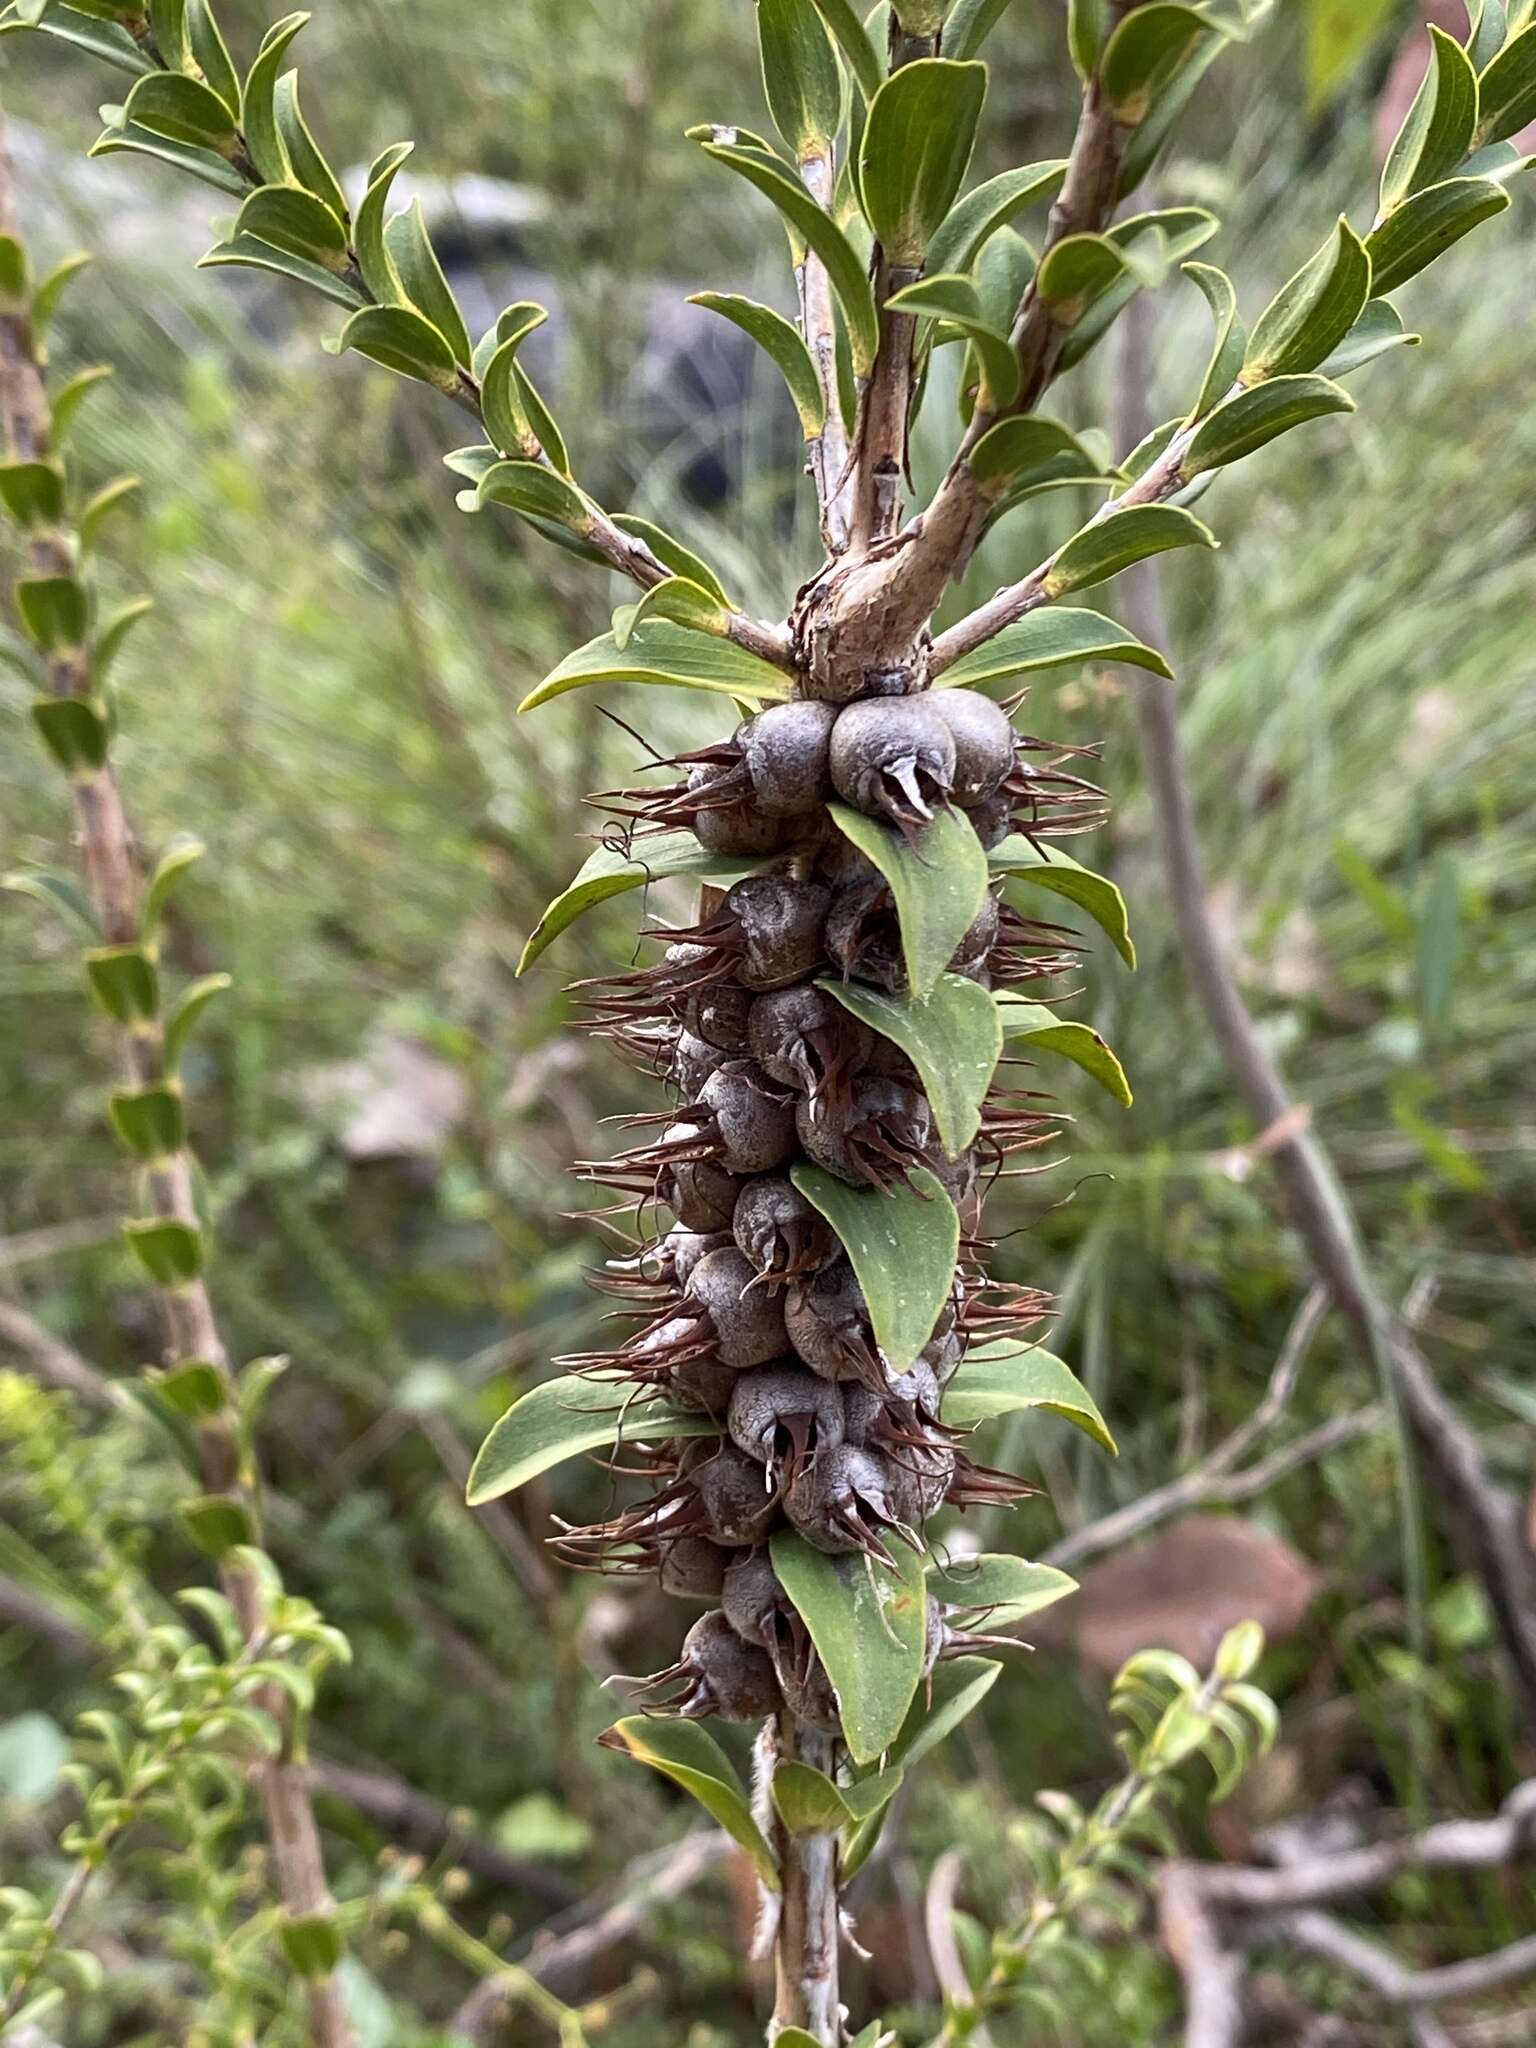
373, 256
916, 147
113, 632
938, 877
969, 24
171, 1253
51, 289
952, 1035
186, 1014
680, 560
536, 491
846, 272
1507, 90
679, 599
421, 278
1254, 418
902, 1243
1051, 638
53, 612
211, 55
1143, 53
852, 39
808, 1803
774, 334
1231, 342
1378, 330
1027, 447
1311, 314
1113, 544
691, 1757
104, 39
611, 871
562, 1418
1436, 135
501, 401
1009, 1588
150, 1121
1150, 243
124, 982
1076, 270
304, 154
800, 76
869, 1625
1003, 1376
956, 301
75, 731
1086, 23
1076, 1042
178, 856
68, 400
973, 220
58, 892
660, 652
402, 341
32, 492
1426, 225
258, 102
1062, 876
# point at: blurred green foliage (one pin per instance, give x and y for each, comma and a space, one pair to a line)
332, 671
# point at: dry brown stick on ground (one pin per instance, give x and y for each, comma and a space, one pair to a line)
1483, 1523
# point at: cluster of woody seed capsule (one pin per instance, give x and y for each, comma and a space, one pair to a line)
748, 1308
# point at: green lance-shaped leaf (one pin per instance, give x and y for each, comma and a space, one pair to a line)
179, 855
916, 148
104, 39
612, 871
1113, 544
258, 102
205, 164
1252, 419
538, 492
1436, 134
852, 38
809, 226
801, 78
501, 396
1047, 868
401, 340
682, 561
957, 1687
956, 301
1311, 314
113, 632
808, 1803
1027, 450
1086, 22
125, 983
373, 255
32, 492
1150, 244
1143, 53
1076, 270
170, 1253
691, 1757
1041, 1027
972, 220
952, 1035
1507, 90
421, 277
938, 877
294, 221
1053, 637
869, 1626
59, 893
1010, 1588
51, 289
246, 252
1231, 339
187, 1013
75, 731
563, 1418
53, 612
1004, 1377
151, 1122
661, 652
677, 598
100, 506
781, 342
304, 153
1377, 332
970, 23
903, 1245
211, 54
181, 110
1428, 224
69, 398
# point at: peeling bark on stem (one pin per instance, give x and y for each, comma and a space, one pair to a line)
805, 1954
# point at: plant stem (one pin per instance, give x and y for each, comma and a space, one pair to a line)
805, 1953
110, 858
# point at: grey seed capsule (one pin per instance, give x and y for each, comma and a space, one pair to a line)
693, 1568
693, 1061
752, 1599
804, 1038
785, 749
863, 935
809, 1696
740, 828
724, 1675
781, 924
700, 1194
754, 1120
843, 1502
893, 759
782, 1415
827, 1322
983, 741
748, 1321
719, 1015
681, 1250
884, 1128
992, 819
737, 1511
779, 1231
